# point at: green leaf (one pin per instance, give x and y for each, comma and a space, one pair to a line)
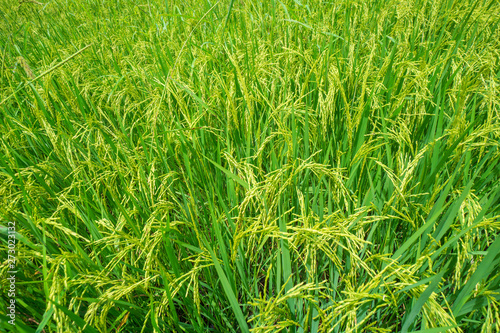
229, 174
484, 269
230, 294
45, 319
422, 299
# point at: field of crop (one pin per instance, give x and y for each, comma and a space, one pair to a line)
250, 166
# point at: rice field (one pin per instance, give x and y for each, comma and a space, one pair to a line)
250, 166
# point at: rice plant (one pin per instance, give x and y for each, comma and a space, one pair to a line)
238, 166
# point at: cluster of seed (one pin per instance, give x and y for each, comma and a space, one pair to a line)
26, 67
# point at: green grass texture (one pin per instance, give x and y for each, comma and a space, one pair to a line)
251, 166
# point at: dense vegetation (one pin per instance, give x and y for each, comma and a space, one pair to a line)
235, 166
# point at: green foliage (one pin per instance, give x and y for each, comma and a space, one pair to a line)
239, 166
